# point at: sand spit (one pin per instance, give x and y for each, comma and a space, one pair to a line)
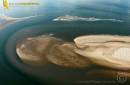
110, 51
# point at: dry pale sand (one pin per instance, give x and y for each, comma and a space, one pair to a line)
106, 50
93, 40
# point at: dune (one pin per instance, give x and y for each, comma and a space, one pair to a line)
111, 51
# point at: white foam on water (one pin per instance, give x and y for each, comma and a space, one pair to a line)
5, 20
88, 19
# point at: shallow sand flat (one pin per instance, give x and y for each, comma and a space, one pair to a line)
64, 55
35, 49
112, 51
45, 49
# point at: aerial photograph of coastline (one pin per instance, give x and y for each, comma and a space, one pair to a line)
64, 42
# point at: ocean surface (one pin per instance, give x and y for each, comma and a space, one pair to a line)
86, 17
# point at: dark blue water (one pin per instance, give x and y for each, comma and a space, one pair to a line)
14, 72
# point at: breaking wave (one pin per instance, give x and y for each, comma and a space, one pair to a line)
5, 20
89, 19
